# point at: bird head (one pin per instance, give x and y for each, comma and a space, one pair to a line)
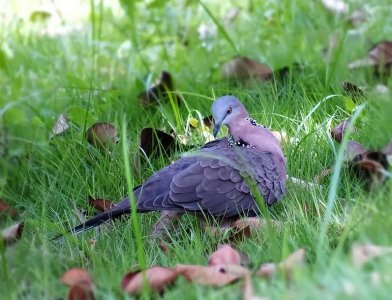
226, 110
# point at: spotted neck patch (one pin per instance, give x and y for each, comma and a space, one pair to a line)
253, 122
241, 143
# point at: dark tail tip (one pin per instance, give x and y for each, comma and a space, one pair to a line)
94, 222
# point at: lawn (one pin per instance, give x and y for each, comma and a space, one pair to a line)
91, 59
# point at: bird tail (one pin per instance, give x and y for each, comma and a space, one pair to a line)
117, 211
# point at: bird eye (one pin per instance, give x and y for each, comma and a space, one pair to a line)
229, 110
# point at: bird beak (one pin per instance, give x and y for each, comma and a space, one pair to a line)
216, 129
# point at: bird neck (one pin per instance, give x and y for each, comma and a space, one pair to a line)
247, 133
234, 139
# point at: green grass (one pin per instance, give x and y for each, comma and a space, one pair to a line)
95, 74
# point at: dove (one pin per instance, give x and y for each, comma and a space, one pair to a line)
219, 180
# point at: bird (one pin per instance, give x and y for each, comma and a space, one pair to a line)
219, 180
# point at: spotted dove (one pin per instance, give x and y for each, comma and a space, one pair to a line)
218, 180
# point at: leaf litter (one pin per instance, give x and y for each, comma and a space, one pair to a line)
80, 284
7, 210
161, 90
11, 234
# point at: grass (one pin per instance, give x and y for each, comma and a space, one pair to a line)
95, 72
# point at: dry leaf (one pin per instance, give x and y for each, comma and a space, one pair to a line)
335, 6
164, 247
216, 275
100, 204
76, 276
353, 149
11, 234
160, 90
5, 209
81, 291
245, 226
61, 126
153, 142
80, 283
294, 260
267, 270
380, 56
337, 133
102, 135
361, 254
156, 277
243, 69
354, 92
371, 167
225, 255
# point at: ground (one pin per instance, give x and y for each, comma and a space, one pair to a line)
93, 59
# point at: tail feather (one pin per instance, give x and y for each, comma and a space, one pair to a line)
120, 209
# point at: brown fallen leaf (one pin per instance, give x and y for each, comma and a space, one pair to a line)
160, 90
100, 204
80, 283
157, 279
81, 291
11, 234
371, 168
215, 275
338, 131
361, 254
354, 92
61, 126
243, 69
244, 227
294, 260
75, 276
5, 209
225, 255
379, 56
153, 142
335, 6
267, 270
353, 150
102, 135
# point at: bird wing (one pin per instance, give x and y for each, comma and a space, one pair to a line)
216, 179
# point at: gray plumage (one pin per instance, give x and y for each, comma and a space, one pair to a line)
214, 180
